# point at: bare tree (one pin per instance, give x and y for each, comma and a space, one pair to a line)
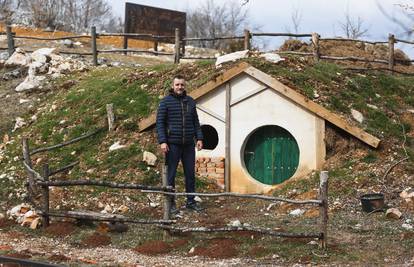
211, 20
353, 28
404, 20
295, 19
44, 13
8, 9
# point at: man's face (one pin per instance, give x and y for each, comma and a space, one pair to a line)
178, 86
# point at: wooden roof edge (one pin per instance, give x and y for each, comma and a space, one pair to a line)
313, 107
149, 121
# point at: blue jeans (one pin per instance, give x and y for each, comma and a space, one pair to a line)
185, 153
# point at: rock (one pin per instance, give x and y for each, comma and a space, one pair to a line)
122, 209
393, 213
407, 226
107, 209
411, 111
198, 199
315, 94
2, 216
407, 194
68, 43
19, 124
372, 106
38, 68
231, 57
64, 68
149, 158
235, 223
19, 58
30, 83
17, 73
116, 146
357, 115
297, 212
272, 57
23, 101
47, 52
4, 55
191, 251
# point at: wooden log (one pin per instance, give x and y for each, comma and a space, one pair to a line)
28, 162
52, 39
94, 46
265, 231
378, 69
95, 216
404, 41
10, 40
206, 58
247, 37
136, 51
323, 208
295, 53
227, 194
227, 139
63, 169
80, 138
214, 39
167, 199
148, 189
355, 59
36, 176
391, 57
352, 40
45, 197
111, 116
315, 46
137, 35
177, 46
281, 34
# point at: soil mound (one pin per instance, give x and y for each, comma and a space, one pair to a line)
154, 248
96, 240
220, 248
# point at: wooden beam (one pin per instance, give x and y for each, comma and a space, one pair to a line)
211, 113
304, 102
199, 92
248, 95
227, 139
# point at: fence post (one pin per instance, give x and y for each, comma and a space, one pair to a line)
31, 190
156, 45
391, 59
111, 116
94, 47
247, 39
45, 196
315, 44
10, 40
323, 208
125, 44
177, 46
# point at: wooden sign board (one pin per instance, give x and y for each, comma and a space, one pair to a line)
154, 20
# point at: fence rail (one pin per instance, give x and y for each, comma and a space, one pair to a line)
179, 45
36, 180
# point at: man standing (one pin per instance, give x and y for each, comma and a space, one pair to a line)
178, 130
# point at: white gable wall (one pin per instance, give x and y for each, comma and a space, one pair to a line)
266, 107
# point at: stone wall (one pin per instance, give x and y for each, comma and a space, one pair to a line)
212, 168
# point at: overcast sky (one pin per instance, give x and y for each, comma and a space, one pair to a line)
322, 16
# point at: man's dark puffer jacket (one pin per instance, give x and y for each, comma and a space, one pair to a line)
177, 120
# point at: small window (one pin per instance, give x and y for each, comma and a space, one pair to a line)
210, 137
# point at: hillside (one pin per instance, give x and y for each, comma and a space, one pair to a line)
75, 105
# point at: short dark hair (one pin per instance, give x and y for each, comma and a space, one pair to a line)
179, 77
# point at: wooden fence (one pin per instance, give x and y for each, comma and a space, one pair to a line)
179, 47
38, 184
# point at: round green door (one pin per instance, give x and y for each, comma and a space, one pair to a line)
271, 155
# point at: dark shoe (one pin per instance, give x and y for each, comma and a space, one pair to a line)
194, 206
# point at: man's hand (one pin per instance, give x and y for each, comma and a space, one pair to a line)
199, 145
164, 148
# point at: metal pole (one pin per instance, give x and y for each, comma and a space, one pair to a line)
177, 46
45, 193
323, 208
94, 47
10, 40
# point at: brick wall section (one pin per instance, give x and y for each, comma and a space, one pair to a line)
212, 168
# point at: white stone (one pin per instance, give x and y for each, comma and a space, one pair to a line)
372, 106
116, 146
272, 57
107, 209
411, 111
19, 123
393, 213
149, 158
407, 194
23, 101
357, 115
236, 223
191, 250
30, 83
19, 58
231, 57
154, 204
3, 176
38, 68
43, 51
64, 68
297, 212
198, 199
407, 226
